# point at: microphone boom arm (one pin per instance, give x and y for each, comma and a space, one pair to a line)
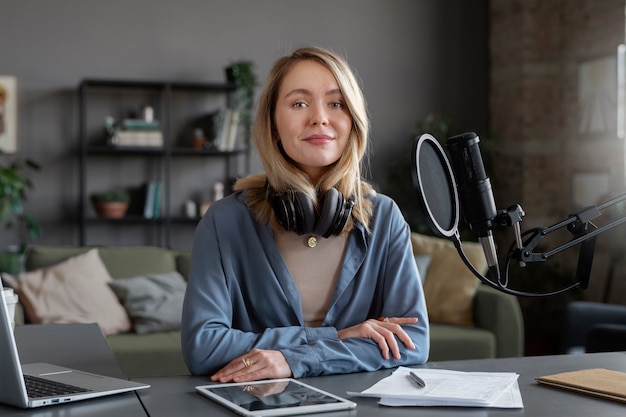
577, 224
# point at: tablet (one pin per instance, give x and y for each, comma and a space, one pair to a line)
275, 397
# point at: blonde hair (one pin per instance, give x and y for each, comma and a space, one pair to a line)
281, 173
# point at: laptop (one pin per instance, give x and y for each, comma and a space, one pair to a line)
47, 384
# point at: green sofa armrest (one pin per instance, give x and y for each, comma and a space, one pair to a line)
501, 314
20, 318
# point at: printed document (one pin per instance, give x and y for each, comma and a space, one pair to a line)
447, 388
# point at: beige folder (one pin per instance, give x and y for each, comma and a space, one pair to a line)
599, 382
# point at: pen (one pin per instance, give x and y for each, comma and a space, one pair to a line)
419, 381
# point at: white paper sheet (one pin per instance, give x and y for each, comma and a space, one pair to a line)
448, 388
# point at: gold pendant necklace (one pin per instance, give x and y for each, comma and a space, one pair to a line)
311, 242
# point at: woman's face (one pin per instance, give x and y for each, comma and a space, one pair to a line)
311, 117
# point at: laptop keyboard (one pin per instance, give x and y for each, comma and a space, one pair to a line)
38, 388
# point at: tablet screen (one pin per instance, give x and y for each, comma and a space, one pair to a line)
274, 397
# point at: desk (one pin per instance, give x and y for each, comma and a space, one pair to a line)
82, 346
175, 396
79, 346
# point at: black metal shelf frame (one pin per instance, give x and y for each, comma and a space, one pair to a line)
164, 154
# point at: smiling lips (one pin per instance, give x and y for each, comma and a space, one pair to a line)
318, 139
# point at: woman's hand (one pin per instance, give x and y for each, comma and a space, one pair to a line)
383, 332
253, 366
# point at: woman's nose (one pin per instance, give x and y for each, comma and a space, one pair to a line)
319, 116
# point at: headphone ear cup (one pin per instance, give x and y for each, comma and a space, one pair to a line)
331, 209
304, 213
343, 216
282, 210
295, 211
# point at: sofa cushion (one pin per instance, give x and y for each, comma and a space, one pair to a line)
73, 291
452, 342
148, 355
132, 261
154, 302
121, 262
183, 263
449, 287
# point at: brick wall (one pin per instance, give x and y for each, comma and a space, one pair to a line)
537, 47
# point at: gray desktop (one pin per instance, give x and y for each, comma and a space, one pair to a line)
83, 346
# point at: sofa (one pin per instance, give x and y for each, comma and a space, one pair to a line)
592, 327
496, 329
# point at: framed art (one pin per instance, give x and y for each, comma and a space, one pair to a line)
8, 114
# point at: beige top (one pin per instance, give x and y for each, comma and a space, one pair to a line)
313, 269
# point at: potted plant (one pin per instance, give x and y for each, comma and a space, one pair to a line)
242, 74
14, 185
111, 203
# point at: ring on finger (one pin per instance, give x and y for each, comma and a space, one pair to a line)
247, 362
384, 319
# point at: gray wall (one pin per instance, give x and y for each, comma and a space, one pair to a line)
413, 57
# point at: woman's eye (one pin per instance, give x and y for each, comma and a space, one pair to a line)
336, 105
299, 104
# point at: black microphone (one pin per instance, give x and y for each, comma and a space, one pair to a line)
475, 194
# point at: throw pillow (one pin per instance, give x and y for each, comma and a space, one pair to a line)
153, 302
449, 287
73, 291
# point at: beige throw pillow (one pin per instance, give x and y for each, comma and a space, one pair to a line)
449, 287
73, 291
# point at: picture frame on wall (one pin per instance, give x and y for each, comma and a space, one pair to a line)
8, 114
598, 97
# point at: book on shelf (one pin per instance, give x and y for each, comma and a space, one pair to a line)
226, 127
140, 138
152, 200
233, 130
157, 200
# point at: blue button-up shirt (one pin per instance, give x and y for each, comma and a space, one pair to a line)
240, 295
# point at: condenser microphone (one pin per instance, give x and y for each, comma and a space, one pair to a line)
475, 193
441, 184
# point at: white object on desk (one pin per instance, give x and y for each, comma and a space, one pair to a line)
11, 300
447, 388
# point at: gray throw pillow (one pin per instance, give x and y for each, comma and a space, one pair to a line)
153, 302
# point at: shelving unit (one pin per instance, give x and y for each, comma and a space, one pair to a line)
184, 172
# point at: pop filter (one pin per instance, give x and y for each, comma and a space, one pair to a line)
436, 189
435, 186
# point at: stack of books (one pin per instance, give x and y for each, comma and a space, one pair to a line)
226, 126
138, 133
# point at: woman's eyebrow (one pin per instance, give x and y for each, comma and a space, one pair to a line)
298, 91
334, 91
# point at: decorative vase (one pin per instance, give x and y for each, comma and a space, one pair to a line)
111, 209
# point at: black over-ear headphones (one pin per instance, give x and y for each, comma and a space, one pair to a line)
295, 212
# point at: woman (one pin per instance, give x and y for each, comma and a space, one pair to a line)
304, 270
